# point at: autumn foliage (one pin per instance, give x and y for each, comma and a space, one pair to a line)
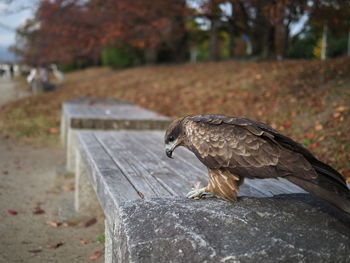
307, 100
75, 31
67, 30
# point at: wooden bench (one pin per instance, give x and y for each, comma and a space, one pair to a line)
103, 114
148, 219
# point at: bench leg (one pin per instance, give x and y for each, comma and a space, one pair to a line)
63, 130
85, 201
108, 243
71, 150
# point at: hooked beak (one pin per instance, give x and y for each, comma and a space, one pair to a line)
169, 148
169, 153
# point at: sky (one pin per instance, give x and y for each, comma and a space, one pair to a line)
13, 13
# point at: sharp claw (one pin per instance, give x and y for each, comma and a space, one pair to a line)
192, 194
200, 193
207, 195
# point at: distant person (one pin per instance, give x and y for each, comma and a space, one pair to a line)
33, 81
39, 80
12, 71
57, 73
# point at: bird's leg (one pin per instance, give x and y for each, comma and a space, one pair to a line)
200, 193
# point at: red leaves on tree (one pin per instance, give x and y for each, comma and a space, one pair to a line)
68, 31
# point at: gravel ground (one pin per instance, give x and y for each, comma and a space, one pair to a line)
38, 223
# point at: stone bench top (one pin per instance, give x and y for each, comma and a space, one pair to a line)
108, 114
149, 220
110, 109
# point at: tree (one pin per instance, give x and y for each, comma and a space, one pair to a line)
330, 16
71, 30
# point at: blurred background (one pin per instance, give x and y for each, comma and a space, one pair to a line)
286, 63
81, 33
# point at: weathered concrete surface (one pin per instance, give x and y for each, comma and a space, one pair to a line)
294, 228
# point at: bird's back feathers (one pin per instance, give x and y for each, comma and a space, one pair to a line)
254, 149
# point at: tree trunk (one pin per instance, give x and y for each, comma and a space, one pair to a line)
214, 40
286, 39
349, 42
231, 32
231, 41
279, 36
266, 42
324, 42
150, 55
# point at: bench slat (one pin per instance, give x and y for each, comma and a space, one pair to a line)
132, 168
108, 176
172, 171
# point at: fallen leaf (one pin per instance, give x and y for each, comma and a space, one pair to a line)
90, 222
96, 255
341, 108
310, 135
336, 114
68, 188
35, 250
287, 124
69, 223
313, 145
38, 211
53, 130
56, 245
12, 212
5, 172
84, 241
318, 127
53, 223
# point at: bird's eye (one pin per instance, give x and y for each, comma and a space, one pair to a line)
171, 138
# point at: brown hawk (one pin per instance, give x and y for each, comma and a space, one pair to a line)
233, 148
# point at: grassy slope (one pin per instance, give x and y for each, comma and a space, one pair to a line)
308, 100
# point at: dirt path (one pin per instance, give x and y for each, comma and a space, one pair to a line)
7, 91
31, 195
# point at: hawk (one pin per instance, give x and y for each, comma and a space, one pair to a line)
235, 148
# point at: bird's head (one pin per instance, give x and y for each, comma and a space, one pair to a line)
174, 136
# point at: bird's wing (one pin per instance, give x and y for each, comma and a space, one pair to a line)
243, 147
254, 150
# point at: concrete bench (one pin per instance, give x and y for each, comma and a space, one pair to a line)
148, 219
103, 114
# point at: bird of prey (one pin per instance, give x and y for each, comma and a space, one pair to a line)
235, 148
